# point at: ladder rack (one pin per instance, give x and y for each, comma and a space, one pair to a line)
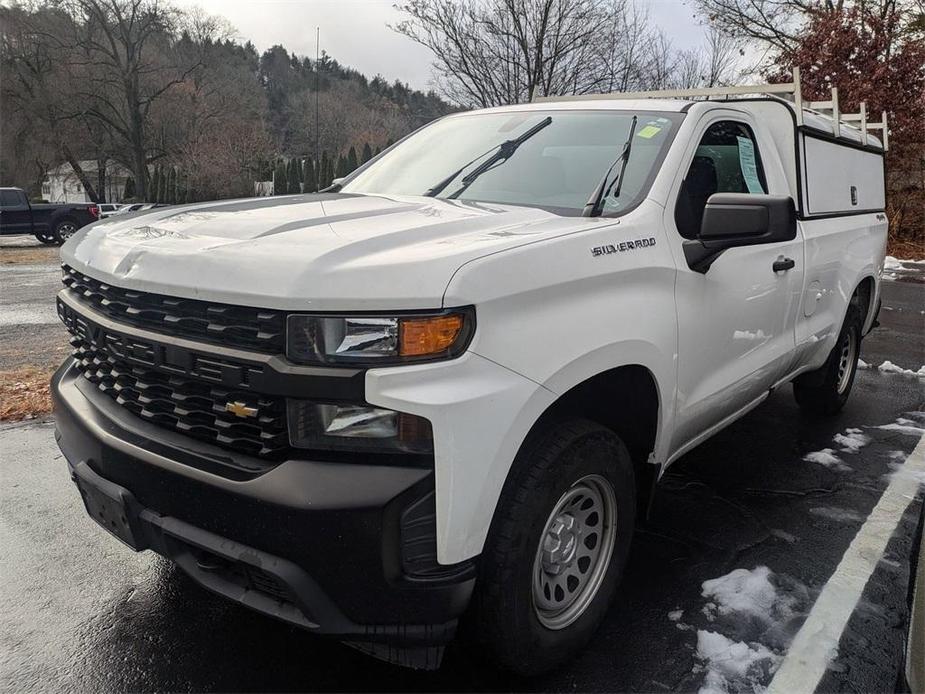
790, 91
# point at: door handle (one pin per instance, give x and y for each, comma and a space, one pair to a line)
783, 264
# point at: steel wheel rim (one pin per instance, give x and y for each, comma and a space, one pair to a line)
574, 552
846, 361
66, 231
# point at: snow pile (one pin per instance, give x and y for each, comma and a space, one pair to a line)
733, 665
891, 368
675, 615
892, 266
905, 426
851, 441
827, 458
901, 471
839, 515
752, 621
891, 263
745, 592
862, 365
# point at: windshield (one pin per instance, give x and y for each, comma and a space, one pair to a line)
557, 160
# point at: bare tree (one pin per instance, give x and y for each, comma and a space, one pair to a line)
507, 51
35, 83
122, 63
492, 52
778, 23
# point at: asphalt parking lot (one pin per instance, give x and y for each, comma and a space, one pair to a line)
746, 534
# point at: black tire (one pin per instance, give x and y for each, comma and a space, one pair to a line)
505, 621
824, 392
64, 230
46, 239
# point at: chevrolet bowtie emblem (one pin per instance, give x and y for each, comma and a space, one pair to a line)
240, 409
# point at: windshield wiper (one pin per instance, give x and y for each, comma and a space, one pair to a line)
595, 204
502, 152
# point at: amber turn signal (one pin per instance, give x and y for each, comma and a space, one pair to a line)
425, 336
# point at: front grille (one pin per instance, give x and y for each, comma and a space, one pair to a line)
257, 329
190, 406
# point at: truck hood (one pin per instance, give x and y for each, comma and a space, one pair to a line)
306, 252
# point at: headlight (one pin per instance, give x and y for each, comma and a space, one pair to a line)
378, 340
357, 427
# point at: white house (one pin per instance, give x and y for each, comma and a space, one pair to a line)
62, 185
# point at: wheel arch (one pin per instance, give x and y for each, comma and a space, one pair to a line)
864, 297
624, 399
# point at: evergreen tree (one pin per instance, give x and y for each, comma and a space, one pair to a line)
367, 153
311, 183
155, 184
342, 166
323, 171
280, 181
294, 176
170, 195
352, 162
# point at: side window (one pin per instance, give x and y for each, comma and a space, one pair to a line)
726, 161
10, 198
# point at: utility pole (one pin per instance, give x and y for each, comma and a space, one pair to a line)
317, 100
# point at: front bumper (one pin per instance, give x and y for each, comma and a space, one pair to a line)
323, 545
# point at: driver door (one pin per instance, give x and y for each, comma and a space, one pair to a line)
736, 321
15, 214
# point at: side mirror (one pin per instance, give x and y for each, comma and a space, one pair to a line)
740, 219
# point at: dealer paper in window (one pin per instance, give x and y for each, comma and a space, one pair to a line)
749, 166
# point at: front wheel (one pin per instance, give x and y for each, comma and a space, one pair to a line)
556, 549
825, 391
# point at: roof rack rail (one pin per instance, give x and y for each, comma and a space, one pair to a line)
790, 91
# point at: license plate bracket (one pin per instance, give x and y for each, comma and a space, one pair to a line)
111, 506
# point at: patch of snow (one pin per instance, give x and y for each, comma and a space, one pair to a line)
840, 515
748, 593
851, 441
891, 263
863, 364
890, 367
827, 458
785, 536
675, 615
709, 611
753, 616
910, 429
733, 665
901, 471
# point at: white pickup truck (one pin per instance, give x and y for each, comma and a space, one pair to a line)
442, 391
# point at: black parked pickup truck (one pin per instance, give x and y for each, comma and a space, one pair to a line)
52, 224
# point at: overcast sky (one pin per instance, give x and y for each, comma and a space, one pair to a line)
356, 32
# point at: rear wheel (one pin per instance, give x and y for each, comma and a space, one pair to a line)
556, 549
64, 230
825, 391
46, 238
